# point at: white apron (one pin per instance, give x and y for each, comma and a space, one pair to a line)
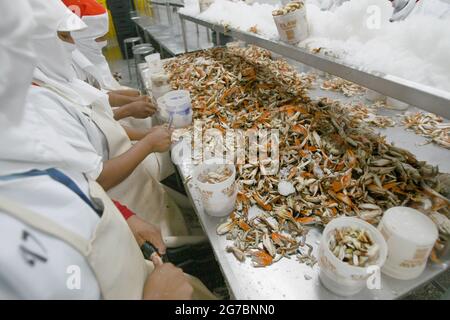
140, 191
112, 252
141, 124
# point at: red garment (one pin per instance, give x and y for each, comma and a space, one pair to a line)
85, 7
127, 213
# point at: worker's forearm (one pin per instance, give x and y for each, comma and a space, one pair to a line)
135, 134
118, 100
121, 112
129, 93
118, 169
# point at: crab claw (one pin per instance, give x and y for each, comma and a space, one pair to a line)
261, 259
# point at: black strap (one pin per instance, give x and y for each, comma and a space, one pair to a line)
59, 177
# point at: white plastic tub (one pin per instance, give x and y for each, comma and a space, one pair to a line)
410, 236
218, 198
160, 84
179, 108
293, 26
154, 63
337, 276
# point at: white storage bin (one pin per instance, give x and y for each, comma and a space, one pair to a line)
410, 236
338, 276
218, 198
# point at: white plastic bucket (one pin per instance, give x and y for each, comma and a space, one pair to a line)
339, 277
154, 63
293, 26
160, 84
218, 198
179, 107
410, 236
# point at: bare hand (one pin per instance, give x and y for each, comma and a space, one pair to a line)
160, 138
144, 231
140, 109
167, 282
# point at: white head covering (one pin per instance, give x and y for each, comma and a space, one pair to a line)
26, 141
98, 26
17, 59
54, 60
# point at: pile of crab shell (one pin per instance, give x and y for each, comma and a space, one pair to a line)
329, 164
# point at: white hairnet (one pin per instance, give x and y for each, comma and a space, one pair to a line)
16, 56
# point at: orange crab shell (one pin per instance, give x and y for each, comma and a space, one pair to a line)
262, 258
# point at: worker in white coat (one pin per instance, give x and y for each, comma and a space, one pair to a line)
92, 40
91, 66
81, 115
90, 63
60, 234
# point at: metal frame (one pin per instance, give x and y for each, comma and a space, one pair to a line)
152, 30
425, 97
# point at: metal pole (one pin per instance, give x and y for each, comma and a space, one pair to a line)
208, 35
127, 58
217, 38
169, 14
183, 32
157, 16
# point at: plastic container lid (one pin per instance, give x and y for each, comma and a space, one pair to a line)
411, 225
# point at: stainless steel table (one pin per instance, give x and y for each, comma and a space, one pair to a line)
287, 279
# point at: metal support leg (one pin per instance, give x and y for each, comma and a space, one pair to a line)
217, 38
169, 14
157, 16
208, 34
137, 72
183, 32
128, 61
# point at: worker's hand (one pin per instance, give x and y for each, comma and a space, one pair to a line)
140, 109
144, 231
142, 98
167, 282
160, 138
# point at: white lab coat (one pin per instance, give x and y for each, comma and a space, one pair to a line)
34, 265
73, 127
